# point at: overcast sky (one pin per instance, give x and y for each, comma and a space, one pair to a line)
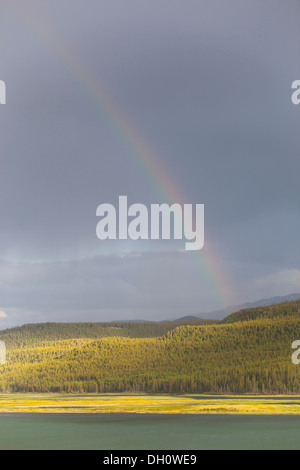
206, 87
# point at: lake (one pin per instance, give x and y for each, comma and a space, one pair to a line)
148, 432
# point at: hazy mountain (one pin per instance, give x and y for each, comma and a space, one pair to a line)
221, 314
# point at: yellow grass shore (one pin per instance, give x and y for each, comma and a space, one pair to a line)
158, 404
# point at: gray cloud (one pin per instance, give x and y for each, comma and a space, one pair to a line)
147, 286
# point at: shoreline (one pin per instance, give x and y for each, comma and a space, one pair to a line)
149, 404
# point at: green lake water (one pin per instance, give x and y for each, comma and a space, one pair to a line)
148, 432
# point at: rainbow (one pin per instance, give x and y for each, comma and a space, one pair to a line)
145, 159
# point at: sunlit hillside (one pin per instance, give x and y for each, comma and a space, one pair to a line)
249, 353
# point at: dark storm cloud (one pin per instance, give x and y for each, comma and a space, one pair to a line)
143, 283
207, 83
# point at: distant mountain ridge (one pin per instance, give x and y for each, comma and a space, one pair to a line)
281, 310
221, 314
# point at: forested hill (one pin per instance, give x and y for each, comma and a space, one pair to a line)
285, 309
250, 353
39, 333
36, 333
